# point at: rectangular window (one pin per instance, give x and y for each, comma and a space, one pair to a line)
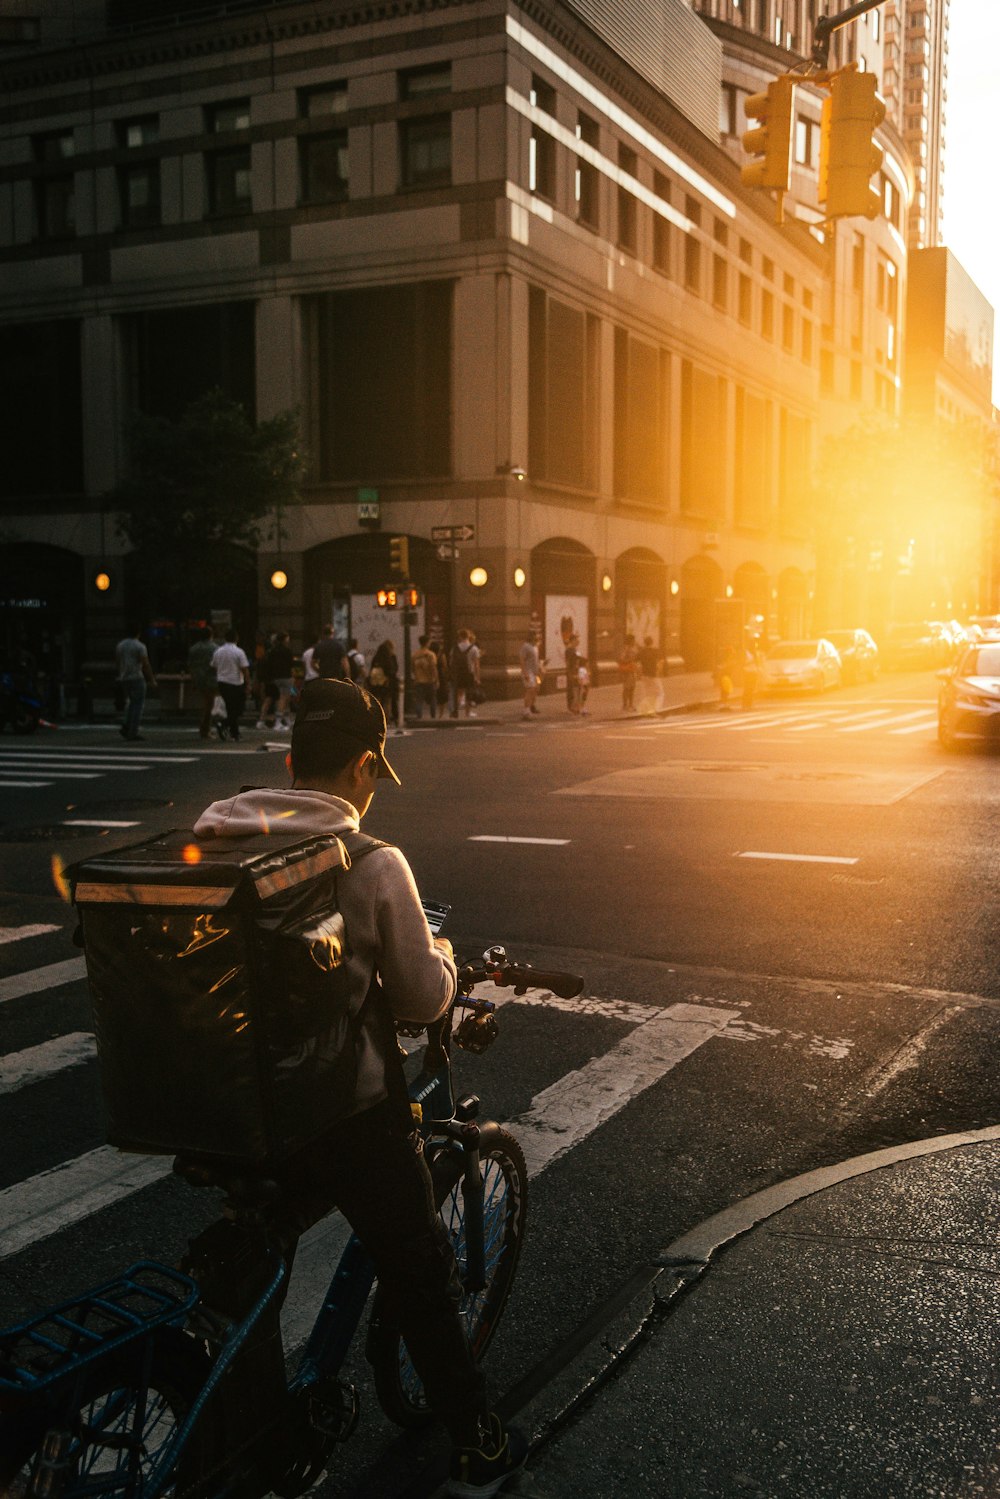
806, 141
224, 118
826, 381
767, 314
425, 150
627, 215
586, 179
719, 280
661, 244
139, 195
746, 251
807, 341
542, 95
320, 103
746, 299
135, 133
638, 416
419, 83
692, 264
228, 181
729, 120
323, 169
787, 328
542, 164
563, 345
55, 206
704, 442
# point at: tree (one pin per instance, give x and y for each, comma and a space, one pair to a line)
195, 500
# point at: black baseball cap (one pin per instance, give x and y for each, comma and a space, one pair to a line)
345, 712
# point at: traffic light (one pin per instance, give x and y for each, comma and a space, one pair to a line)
386, 598
848, 156
399, 555
771, 140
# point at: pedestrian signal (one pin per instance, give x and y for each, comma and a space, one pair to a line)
770, 140
848, 154
411, 597
399, 555
386, 598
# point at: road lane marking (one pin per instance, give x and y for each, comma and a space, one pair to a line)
35, 980
797, 858
502, 838
573, 1107
929, 721
36, 1063
53, 773
881, 723
53, 1200
19, 933
97, 822
12, 784
49, 763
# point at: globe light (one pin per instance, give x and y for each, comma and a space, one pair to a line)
675, 587
606, 582
520, 577
479, 577
279, 579
102, 582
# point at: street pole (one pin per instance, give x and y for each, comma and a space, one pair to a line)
407, 614
825, 25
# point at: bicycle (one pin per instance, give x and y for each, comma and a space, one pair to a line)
172, 1382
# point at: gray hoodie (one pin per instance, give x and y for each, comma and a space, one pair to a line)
385, 924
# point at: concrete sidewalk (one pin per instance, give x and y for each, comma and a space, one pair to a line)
835, 1335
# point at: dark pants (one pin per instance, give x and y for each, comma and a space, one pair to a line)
135, 700
370, 1168
207, 703
234, 698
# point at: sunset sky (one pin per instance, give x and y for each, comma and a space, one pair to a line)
972, 181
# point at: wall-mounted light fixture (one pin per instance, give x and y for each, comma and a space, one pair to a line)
520, 577
729, 590
606, 583
479, 577
513, 470
675, 587
102, 581
279, 579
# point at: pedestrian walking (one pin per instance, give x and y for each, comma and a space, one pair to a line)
572, 681
651, 676
383, 680
463, 676
583, 685
232, 673
752, 669
531, 673
330, 657
356, 663
424, 670
199, 664
444, 678
628, 665
134, 671
309, 672
278, 665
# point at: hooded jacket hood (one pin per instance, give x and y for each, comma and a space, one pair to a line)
287, 812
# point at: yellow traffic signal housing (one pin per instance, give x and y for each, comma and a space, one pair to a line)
399, 555
848, 155
771, 139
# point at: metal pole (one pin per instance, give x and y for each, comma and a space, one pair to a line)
825, 25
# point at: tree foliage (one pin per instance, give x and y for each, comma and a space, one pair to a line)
197, 490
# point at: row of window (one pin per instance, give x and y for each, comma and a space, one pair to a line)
424, 157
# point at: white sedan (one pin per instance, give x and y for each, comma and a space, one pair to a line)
801, 666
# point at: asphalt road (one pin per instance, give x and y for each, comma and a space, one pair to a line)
812, 1009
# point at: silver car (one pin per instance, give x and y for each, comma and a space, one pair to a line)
801, 666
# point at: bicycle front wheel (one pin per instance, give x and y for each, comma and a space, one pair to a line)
118, 1427
505, 1205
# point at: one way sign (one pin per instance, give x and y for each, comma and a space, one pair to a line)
453, 533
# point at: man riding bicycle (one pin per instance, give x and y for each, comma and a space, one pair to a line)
370, 1164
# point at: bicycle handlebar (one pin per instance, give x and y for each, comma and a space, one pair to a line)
496, 966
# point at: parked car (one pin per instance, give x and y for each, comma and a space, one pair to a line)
801, 665
858, 654
969, 699
914, 647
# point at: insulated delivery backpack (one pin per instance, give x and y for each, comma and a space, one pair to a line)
225, 1020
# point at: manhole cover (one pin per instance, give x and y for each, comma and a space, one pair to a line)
120, 804
54, 833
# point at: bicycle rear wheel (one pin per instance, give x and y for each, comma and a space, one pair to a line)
118, 1428
505, 1204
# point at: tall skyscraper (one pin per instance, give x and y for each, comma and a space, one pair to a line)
915, 88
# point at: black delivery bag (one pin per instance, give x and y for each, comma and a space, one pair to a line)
225, 1024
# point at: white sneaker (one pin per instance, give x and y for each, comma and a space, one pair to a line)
282, 726
260, 724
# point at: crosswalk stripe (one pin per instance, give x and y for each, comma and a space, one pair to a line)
35, 980
881, 723
928, 722
20, 933
56, 773
23, 784
43, 1205
36, 1063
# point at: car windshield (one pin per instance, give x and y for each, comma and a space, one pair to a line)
842, 639
793, 650
981, 661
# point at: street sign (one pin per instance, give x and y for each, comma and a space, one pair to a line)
368, 507
453, 533
447, 551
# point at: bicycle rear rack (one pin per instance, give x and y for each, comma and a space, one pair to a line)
35, 1354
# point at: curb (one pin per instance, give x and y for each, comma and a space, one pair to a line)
557, 1390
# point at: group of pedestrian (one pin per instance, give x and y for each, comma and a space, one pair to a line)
641, 665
